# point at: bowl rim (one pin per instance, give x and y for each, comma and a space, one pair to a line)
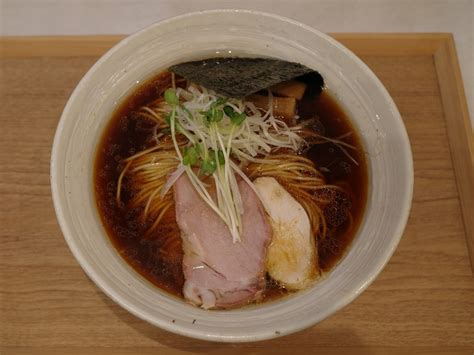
65, 227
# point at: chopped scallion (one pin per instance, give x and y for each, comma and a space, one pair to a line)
208, 166
235, 118
191, 155
171, 98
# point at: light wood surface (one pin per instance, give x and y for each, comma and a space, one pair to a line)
422, 302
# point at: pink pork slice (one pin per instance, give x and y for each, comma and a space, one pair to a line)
218, 272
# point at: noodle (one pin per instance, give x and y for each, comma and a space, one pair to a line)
304, 182
148, 172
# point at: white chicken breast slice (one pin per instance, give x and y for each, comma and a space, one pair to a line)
292, 255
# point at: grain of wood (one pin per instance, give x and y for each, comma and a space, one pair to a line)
304, 350
393, 44
422, 301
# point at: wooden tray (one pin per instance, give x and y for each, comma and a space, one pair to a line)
423, 300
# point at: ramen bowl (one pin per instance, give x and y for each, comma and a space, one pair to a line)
231, 33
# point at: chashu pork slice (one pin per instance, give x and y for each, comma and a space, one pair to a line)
218, 272
292, 254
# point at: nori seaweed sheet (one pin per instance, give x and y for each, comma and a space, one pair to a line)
238, 77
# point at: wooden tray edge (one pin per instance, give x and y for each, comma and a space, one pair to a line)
389, 44
459, 132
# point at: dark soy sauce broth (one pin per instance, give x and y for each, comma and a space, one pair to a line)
126, 135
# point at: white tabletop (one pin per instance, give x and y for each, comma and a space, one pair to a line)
81, 17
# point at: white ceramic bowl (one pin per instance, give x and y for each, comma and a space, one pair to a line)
212, 33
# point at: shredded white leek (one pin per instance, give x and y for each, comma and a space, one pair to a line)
241, 141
